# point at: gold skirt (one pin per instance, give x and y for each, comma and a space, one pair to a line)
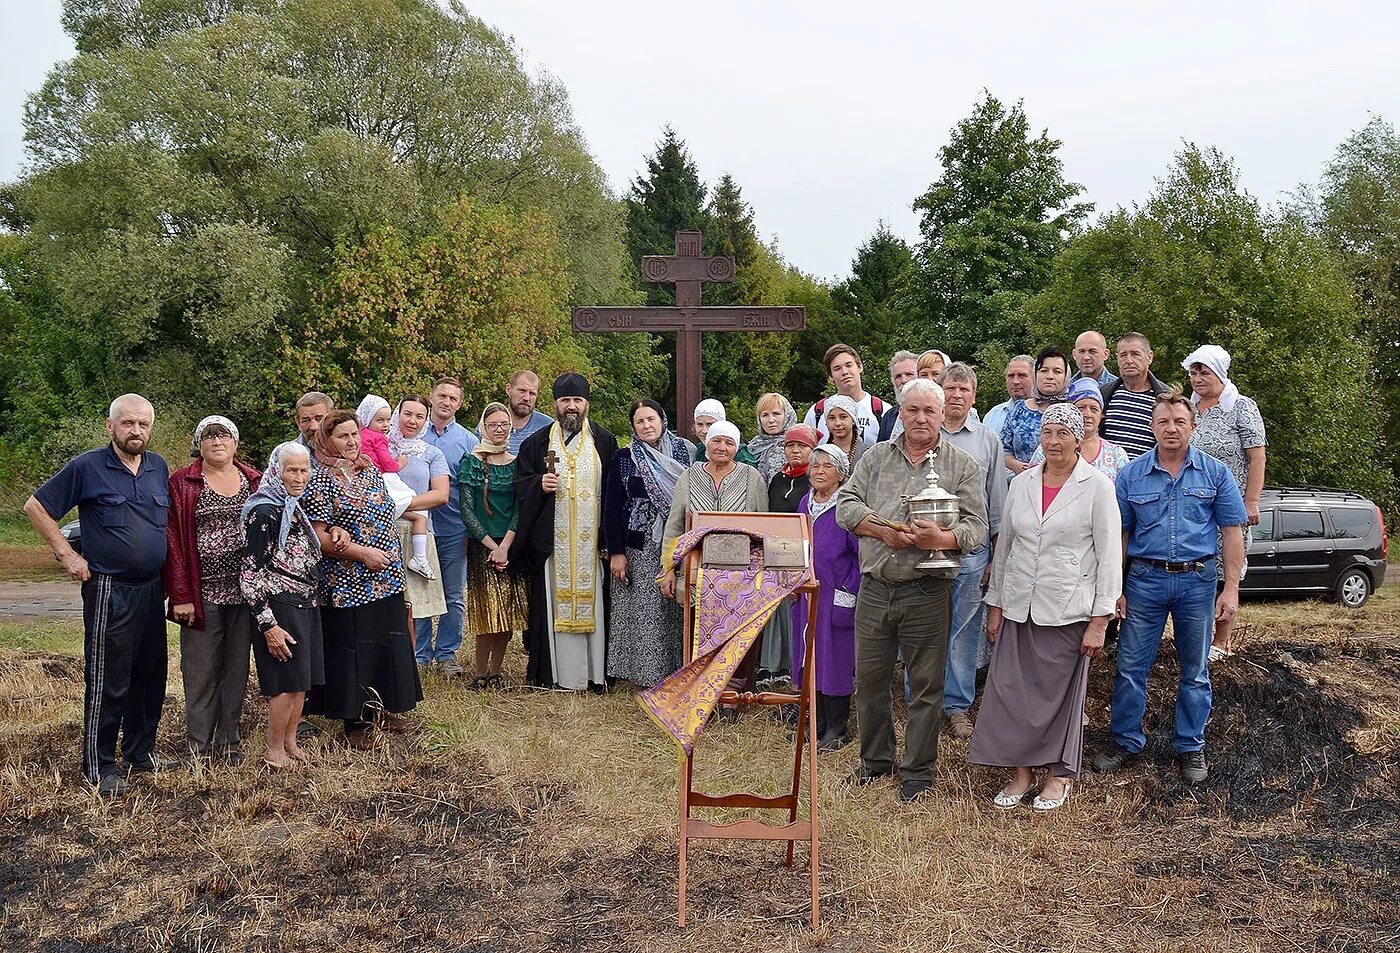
495, 601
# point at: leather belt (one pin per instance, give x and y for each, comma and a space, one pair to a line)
1172, 567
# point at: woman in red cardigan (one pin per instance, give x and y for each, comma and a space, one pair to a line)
205, 542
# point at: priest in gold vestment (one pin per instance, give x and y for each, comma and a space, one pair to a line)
560, 477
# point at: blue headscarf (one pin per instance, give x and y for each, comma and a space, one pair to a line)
272, 490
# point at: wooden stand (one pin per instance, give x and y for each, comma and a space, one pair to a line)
793, 525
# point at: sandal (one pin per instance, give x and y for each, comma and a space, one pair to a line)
1008, 801
1041, 804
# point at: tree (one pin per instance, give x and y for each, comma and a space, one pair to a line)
483, 291
871, 311
741, 366
992, 224
672, 197
668, 199
1200, 263
1357, 210
200, 167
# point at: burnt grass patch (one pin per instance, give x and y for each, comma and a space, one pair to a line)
1321, 817
1277, 742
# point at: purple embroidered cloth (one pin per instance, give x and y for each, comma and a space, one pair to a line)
731, 608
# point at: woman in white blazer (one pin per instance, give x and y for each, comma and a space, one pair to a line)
1056, 577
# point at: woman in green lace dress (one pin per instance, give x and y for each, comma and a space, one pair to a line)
495, 598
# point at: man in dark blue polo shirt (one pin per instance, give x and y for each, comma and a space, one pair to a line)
1177, 503
121, 494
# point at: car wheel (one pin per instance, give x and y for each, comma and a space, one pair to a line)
1354, 588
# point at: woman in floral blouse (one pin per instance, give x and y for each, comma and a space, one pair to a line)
1230, 428
281, 572
204, 543
371, 674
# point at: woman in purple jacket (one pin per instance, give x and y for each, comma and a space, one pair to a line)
836, 560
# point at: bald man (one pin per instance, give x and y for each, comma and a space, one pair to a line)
1091, 357
122, 496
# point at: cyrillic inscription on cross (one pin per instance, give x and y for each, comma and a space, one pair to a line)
687, 269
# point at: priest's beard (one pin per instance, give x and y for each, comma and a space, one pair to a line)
571, 423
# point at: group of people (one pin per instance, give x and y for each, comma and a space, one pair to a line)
1085, 502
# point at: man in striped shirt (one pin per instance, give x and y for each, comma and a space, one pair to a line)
1127, 402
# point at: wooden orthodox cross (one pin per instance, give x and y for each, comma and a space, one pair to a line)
687, 269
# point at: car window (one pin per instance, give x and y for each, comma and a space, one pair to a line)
1301, 524
1264, 532
1352, 522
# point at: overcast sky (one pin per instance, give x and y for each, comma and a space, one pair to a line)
830, 113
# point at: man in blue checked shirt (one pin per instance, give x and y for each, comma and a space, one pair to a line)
1174, 501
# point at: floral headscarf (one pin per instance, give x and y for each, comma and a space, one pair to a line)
1066, 415
204, 425
273, 490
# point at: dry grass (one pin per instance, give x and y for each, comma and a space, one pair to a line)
544, 821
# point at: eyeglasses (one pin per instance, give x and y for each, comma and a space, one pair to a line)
216, 436
499, 425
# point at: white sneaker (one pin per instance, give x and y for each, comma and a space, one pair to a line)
420, 565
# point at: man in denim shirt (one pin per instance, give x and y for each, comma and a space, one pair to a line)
1173, 499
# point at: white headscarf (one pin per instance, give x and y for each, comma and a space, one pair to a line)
723, 428
369, 407
1217, 359
407, 446
211, 419
842, 402
709, 407
838, 457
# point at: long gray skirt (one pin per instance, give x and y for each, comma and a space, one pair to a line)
1032, 711
644, 631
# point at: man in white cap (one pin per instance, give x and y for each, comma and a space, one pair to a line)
560, 547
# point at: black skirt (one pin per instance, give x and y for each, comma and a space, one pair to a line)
369, 661
307, 666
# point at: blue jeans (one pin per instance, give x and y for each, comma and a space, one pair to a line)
452, 561
1152, 594
967, 633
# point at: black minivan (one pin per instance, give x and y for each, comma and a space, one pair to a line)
1317, 540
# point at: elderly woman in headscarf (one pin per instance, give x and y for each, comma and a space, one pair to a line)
1230, 428
775, 415
204, 544
644, 637
1056, 577
1103, 454
843, 426
1020, 431
280, 577
719, 485
836, 562
707, 413
495, 598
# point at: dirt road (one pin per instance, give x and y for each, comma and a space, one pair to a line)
29, 601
